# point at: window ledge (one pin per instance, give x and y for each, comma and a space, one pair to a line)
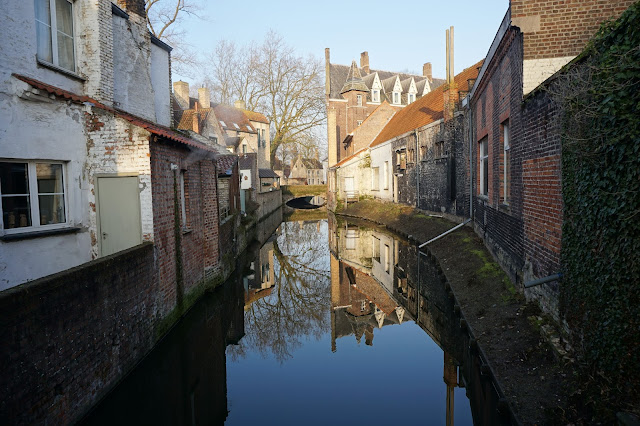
60, 70
186, 231
38, 234
482, 197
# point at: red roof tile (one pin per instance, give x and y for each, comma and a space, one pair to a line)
225, 163
153, 128
230, 115
256, 116
425, 110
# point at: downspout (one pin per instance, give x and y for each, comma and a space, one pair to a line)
470, 114
417, 160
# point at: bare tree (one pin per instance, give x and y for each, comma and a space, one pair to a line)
163, 19
271, 78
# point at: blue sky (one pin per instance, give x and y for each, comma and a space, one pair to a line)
398, 36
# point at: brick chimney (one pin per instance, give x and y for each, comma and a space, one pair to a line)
426, 71
204, 97
364, 62
181, 92
133, 6
196, 121
240, 104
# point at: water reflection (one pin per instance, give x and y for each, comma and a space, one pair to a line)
329, 322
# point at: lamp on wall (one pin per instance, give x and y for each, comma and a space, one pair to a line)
174, 167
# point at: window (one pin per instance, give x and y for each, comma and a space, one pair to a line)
375, 95
439, 149
264, 140
223, 124
375, 178
359, 98
359, 122
484, 166
401, 159
396, 98
375, 242
363, 306
423, 152
54, 33
411, 97
244, 148
33, 194
385, 172
506, 172
387, 258
183, 200
411, 155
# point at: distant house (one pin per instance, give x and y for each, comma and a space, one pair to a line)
306, 171
353, 93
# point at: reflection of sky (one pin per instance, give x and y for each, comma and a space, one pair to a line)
399, 378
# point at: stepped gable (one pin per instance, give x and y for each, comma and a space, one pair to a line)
425, 110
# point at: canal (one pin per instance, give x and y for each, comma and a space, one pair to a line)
324, 322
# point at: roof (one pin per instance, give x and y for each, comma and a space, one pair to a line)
247, 161
339, 74
311, 163
425, 110
230, 116
267, 173
256, 116
185, 121
354, 80
149, 126
225, 164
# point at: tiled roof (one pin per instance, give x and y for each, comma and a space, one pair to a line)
153, 128
425, 110
231, 115
256, 116
345, 160
225, 163
267, 173
186, 119
247, 161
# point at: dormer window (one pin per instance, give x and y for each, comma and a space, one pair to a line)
375, 95
396, 98
412, 97
222, 123
236, 126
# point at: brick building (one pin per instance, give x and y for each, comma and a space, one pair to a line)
353, 93
516, 146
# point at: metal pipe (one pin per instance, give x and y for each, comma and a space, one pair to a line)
554, 277
417, 160
445, 233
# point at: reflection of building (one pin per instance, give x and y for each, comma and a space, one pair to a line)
259, 280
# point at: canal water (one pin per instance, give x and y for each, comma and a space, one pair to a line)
326, 322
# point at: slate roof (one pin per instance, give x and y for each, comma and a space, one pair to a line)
339, 73
247, 161
267, 173
354, 80
149, 126
425, 110
225, 164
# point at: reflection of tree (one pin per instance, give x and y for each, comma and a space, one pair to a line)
301, 298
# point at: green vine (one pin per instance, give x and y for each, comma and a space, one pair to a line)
600, 96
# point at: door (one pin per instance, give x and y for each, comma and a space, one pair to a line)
349, 187
118, 213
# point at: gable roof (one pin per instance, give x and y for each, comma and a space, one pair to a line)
225, 163
267, 173
149, 126
425, 110
185, 121
256, 116
231, 115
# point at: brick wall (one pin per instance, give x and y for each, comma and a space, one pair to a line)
557, 29
67, 338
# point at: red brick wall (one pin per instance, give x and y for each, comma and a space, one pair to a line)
557, 28
69, 337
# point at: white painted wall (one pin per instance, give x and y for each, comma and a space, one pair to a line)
161, 83
380, 154
535, 71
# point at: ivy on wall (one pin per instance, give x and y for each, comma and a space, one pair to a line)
600, 295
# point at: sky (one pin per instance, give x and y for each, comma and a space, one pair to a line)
398, 36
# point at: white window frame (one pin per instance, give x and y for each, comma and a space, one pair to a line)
483, 149
375, 178
411, 98
385, 172
54, 36
506, 150
375, 95
359, 122
396, 98
34, 201
359, 100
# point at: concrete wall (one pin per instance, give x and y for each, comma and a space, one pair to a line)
269, 202
381, 158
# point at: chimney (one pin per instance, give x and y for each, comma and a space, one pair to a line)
240, 104
204, 97
426, 71
134, 6
327, 72
196, 121
181, 92
450, 90
364, 62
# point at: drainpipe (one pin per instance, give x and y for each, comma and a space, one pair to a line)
417, 160
554, 277
445, 233
470, 159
